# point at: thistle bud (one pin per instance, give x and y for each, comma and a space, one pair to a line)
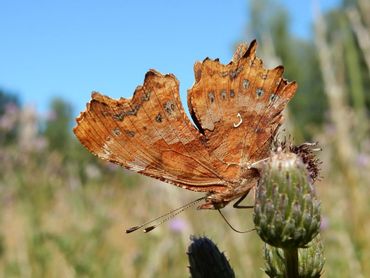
286, 212
311, 260
206, 260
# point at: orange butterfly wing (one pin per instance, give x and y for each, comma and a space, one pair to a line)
150, 134
238, 106
237, 109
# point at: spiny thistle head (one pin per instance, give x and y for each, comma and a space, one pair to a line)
311, 260
305, 151
206, 260
286, 212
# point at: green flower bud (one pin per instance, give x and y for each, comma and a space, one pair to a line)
286, 212
206, 260
311, 260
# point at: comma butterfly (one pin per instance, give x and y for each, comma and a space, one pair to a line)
237, 110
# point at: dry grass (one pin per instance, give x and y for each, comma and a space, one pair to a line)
56, 226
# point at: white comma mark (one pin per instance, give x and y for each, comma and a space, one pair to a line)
240, 121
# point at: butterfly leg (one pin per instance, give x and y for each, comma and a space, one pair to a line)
236, 205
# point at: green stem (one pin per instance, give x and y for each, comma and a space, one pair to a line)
291, 262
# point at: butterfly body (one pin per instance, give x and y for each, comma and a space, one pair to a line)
218, 200
237, 109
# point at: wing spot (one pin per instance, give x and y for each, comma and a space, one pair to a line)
130, 133
158, 118
223, 94
264, 76
169, 106
117, 131
146, 96
259, 92
120, 116
273, 98
245, 83
211, 97
133, 111
234, 73
232, 93
224, 74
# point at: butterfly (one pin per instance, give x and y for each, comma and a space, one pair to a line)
236, 110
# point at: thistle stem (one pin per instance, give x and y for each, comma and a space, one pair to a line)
291, 262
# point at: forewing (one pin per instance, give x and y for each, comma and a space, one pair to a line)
151, 135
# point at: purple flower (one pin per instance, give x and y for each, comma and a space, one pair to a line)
178, 225
362, 160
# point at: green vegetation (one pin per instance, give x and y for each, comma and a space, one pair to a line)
63, 212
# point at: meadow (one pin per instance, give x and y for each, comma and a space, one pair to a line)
63, 212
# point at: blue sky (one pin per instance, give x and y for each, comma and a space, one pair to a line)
72, 47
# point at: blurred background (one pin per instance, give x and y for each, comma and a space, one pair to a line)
63, 212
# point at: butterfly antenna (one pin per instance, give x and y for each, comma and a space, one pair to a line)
163, 218
235, 230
